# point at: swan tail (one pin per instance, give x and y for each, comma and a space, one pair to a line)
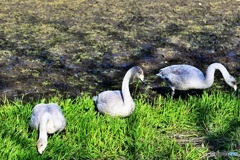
160, 74
95, 98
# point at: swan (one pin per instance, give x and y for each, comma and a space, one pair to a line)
119, 103
48, 119
185, 77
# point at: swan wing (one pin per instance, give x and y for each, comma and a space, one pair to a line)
111, 102
37, 112
182, 76
57, 121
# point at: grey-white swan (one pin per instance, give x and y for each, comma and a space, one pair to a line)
48, 119
119, 103
185, 77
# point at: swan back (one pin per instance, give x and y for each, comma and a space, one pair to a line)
52, 112
182, 77
111, 102
48, 119
119, 103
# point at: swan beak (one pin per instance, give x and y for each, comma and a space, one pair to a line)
141, 77
39, 151
235, 87
158, 74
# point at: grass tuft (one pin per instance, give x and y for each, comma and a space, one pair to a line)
165, 129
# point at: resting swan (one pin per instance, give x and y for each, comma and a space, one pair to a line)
185, 77
119, 103
48, 119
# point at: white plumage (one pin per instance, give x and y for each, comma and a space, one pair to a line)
48, 119
185, 77
119, 103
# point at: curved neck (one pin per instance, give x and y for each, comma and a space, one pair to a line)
43, 125
125, 87
210, 73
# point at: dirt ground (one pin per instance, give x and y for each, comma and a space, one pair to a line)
70, 47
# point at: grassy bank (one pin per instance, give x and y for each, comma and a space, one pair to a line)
163, 129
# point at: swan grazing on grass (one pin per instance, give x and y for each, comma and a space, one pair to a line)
48, 119
185, 77
119, 103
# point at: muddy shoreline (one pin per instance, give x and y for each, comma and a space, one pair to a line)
88, 46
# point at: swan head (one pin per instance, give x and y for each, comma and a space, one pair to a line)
231, 81
139, 73
41, 145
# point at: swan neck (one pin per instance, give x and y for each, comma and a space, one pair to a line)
43, 126
125, 87
211, 71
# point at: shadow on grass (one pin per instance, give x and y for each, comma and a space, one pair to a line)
225, 141
166, 92
221, 142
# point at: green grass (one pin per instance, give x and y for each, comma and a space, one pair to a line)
164, 129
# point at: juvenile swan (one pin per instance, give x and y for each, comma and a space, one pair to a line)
119, 103
185, 77
48, 119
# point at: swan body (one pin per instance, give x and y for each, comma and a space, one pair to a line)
119, 103
185, 77
48, 119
